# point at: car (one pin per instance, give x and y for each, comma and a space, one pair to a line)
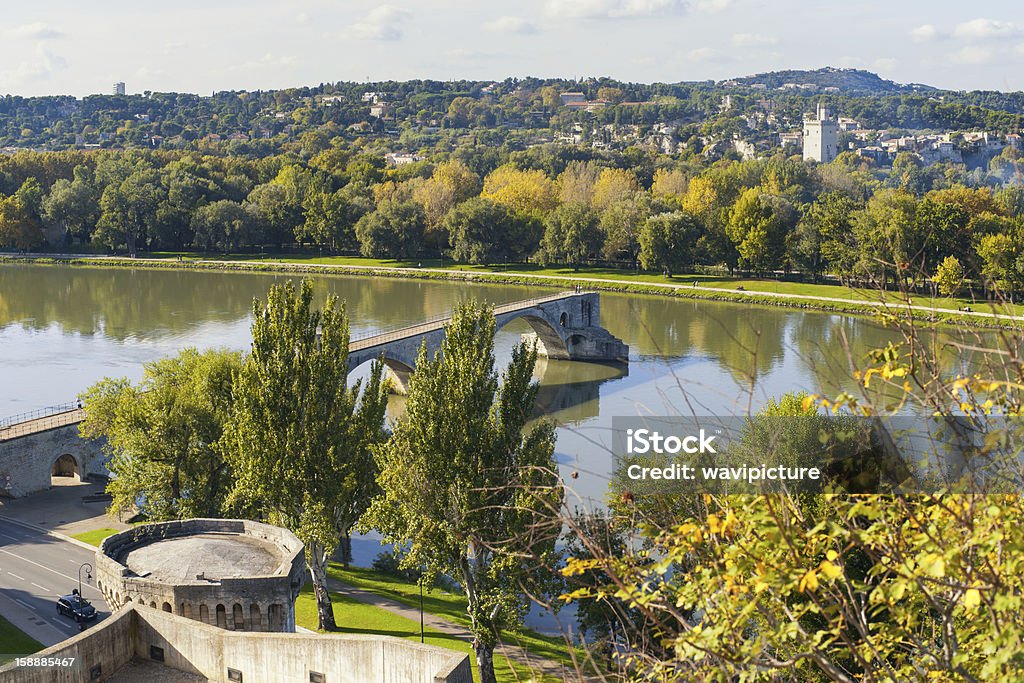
76, 607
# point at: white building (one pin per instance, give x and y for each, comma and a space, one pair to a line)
821, 136
119, 88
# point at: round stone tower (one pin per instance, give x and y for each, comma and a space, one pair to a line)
235, 574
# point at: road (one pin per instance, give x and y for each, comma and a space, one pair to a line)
36, 568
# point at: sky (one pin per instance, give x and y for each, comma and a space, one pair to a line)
202, 46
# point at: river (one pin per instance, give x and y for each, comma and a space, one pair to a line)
63, 328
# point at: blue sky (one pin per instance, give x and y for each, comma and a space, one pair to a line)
201, 46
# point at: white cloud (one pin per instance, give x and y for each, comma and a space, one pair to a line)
611, 9
41, 67
752, 40
509, 24
974, 54
700, 54
980, 29
382, 23
885, 64
36, 31
712, 5
267, 61
926, 33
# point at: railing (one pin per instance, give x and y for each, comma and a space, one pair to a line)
437, 321
41, 412
43, 423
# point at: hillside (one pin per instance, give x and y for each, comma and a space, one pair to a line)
847, 80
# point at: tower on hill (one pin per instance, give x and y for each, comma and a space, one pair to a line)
821, 135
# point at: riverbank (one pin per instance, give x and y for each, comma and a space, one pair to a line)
822, 297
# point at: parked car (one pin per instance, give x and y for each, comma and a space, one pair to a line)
76, 607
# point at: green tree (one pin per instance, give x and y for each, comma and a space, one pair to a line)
129, 210
394, 230
481, 231
465, 481
163, 435
223, 226
571, 235
70, 210
949, 276
299, 438
757, 229
667, 241
17, 227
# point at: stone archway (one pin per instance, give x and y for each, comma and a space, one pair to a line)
550, 341
65, 469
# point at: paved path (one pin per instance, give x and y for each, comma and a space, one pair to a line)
41, 424
63, 508
512, 652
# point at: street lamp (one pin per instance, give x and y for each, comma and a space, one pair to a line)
88, 577
421, 606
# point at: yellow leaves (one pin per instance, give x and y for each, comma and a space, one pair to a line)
972, 598
809, 582
831, 555
933, 565
809, 402
829, 570
578, 594
717, 525
577, 567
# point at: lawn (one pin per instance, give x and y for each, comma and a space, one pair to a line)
748, 284
14, 643
447, 605
94, 537
355, 617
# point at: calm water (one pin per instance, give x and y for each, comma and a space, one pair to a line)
63, 328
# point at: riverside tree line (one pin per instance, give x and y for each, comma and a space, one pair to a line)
553, 205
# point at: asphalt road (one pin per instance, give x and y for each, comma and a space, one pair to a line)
35, 569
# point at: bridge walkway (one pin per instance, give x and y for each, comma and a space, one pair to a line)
437, 323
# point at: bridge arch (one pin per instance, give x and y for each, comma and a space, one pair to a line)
552, 344
66, 466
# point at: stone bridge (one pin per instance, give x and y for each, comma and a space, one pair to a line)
567, 326
38, 446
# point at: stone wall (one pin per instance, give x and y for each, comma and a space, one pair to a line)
259, 657
26, 461
253, 603
105, 647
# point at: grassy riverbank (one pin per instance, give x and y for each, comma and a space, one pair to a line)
771, 292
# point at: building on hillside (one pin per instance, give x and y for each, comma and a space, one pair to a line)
119, 88
821, 135
571, 97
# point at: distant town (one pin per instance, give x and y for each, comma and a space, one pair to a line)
819, 114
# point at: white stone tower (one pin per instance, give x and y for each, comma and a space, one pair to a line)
821, 135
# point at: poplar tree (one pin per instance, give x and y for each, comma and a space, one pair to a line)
299, 438
466, 484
